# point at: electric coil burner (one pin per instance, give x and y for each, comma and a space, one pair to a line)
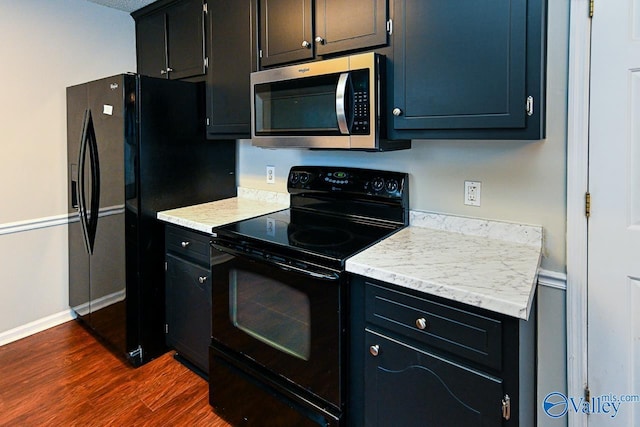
279, 326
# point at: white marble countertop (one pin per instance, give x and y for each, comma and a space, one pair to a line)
487, 264
205, 216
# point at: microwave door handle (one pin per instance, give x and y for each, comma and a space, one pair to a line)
341, 100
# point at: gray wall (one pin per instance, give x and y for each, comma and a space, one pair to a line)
45, 46
522, 182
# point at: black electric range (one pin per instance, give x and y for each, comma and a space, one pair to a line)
279, 296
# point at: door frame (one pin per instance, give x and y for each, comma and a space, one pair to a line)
577, 187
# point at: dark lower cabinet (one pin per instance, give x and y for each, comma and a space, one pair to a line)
188, 296
407, 387
419, 360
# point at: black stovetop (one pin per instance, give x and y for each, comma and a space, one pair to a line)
328, 236
335, 213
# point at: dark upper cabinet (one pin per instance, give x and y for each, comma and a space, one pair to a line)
349, 25
293, 31
232, 57
170, 39
468, 69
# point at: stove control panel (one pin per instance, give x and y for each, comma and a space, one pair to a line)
353, 181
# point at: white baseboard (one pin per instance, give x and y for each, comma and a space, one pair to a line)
36, 326
552, 279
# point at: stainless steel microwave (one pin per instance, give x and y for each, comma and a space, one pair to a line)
334, 103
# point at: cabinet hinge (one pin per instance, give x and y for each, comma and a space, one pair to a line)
529, 106
206, 62
587, 208
166, 328
260, 53
506, 407
207, 121
205, 8
591, 8
390, 26
166, 266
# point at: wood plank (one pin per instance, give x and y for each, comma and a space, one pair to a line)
64, 376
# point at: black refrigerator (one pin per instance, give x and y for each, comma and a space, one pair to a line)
135, 146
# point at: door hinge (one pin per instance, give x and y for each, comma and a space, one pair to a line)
205, 8
206, 62
506, 407
390, 26
587, 206
591, 8
529, 106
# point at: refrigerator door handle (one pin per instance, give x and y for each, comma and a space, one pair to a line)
82, 209
95, 183
89, 218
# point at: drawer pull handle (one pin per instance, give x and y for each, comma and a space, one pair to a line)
185, 244
422, 323
202, 279
506, 407
374, 350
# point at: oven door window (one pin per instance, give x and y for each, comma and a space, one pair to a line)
271, 311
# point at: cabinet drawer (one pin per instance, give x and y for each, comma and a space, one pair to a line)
188, 244
475, 337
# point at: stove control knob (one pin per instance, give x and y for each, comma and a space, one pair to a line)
294, 178
377, 184
304, 178
374, 350
392, 186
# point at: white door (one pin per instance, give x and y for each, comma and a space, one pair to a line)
614, 225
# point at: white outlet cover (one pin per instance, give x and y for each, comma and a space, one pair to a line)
271, 174
472, 192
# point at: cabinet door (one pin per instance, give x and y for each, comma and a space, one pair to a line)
348, 25
408, 387
151, 45
185, 39
459, 65
188, 310
286, 33
231, 29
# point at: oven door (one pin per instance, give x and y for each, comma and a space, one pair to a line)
285, 318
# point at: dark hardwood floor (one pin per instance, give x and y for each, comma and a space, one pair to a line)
64, 377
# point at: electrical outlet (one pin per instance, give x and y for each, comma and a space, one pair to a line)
472, 193
271, 174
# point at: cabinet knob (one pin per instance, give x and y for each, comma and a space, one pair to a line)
396, 112
319, 40
374, 350
163, 71
421, 323
306, 44
169, 69
202, 279
185, 244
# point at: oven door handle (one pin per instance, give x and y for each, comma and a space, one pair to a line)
317, 273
